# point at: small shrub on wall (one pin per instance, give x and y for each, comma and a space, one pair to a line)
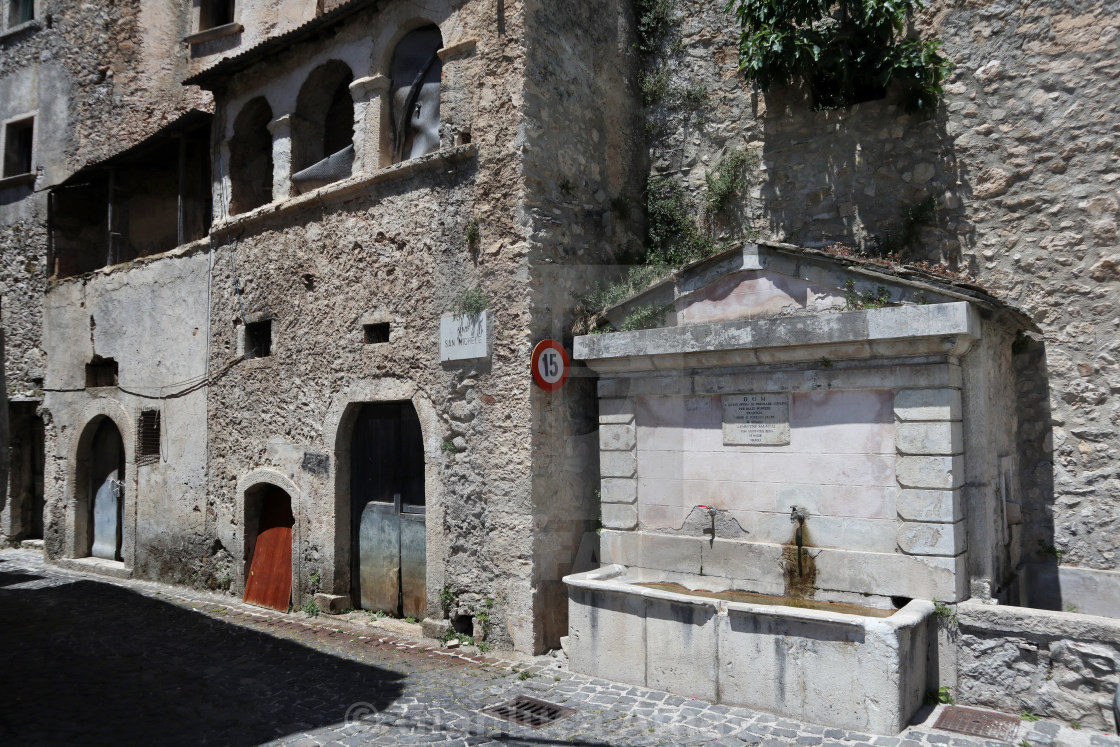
847, 51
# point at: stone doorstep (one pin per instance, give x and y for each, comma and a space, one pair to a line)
100, 566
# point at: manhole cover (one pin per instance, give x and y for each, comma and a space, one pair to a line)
977, 723
529, 711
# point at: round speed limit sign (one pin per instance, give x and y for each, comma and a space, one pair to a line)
550, 365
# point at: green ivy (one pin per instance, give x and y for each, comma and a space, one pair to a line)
847, 51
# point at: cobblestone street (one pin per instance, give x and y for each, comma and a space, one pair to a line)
99, 661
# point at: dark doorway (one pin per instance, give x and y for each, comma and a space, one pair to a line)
268, 524
388, 548
106, 491
25, 475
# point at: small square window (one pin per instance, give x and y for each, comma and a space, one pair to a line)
376, 333
101, 372
18, 138
214, 13
148, 442
20, 11
258, 339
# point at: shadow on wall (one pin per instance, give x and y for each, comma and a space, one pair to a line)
1036, 474
850, 175
98, 663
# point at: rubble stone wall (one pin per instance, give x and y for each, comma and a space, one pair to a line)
1020, 660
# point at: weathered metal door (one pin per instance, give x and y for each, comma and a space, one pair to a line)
270, 569
389, 561
106, 475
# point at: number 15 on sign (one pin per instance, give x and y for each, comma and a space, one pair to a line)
550, 365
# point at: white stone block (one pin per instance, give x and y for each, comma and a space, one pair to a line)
930, 438
616, 410
928, 404
930, 472
602, 624
930, 505
618, 490
617, 464
681, 648
623, 548
617, 437
946, 540
619, 516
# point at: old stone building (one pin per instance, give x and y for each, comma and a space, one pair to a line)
239, 238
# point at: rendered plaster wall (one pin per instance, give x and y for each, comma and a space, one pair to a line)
150, 317
1021, 158
1058, 664
77, 68
393, 250
582, 161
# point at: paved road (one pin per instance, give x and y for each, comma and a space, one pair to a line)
88, 660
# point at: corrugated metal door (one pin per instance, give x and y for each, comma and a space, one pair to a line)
106, 472
387, 495
270, 569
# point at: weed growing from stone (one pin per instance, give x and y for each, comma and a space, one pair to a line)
472, 301
411, 619
311, 609
1030, 717
473, 234
1071, 608
644, 317
728, 180
526, 674
446, 596
944, 613
866, 300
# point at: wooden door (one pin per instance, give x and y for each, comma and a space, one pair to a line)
270, 569
389, 566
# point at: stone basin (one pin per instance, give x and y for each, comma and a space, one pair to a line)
851, 671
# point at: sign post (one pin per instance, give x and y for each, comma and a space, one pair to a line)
550, 364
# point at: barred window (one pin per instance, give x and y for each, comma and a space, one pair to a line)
149, 441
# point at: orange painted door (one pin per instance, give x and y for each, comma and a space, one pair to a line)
270, 571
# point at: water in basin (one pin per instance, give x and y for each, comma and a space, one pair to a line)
776, 601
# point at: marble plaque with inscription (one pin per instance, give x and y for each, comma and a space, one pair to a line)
464, 337
755, 419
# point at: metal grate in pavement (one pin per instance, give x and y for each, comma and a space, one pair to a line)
529, 711
978, 723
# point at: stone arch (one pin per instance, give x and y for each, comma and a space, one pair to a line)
339, 425
323, 124
249, 491
77, 479
250, 157
415, 76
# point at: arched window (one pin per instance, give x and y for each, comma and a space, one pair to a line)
416, 72
250, 157
323, 127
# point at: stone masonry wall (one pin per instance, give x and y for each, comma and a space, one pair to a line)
580, 147
1036, 661
398, 250
1021, 158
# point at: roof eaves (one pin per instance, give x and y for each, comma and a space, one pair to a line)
229, 65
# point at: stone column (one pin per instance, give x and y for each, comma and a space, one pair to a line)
618, 463
281, 129
456, 93
371, 120
930, 469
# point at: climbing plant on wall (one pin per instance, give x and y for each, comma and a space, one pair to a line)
847, 51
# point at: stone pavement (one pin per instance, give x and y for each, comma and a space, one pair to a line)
93, 660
